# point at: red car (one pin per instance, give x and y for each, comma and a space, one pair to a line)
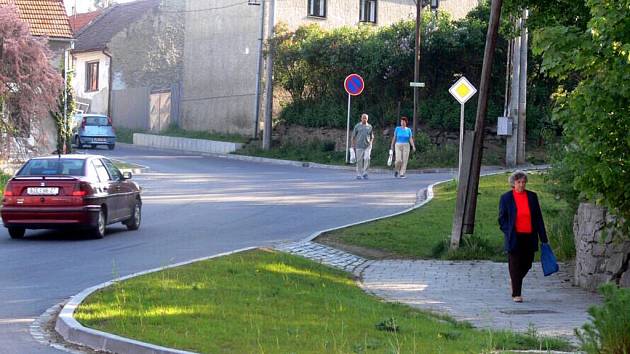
83, 191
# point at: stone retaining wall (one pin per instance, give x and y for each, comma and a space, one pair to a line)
298, 134
600, 256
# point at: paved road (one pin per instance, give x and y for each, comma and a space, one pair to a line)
193, 206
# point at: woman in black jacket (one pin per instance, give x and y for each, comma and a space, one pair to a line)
521, 221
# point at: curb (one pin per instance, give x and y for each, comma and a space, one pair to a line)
72, 331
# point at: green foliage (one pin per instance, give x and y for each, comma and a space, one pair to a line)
593, 68
312, 63
63, 121
4, 178
425, 232
609, 329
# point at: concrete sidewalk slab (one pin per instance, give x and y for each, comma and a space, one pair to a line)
479, 292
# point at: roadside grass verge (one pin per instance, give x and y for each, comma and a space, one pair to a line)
125, 135
263, 301
424, 233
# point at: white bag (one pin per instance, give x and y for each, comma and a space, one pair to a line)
353, 156
390, 158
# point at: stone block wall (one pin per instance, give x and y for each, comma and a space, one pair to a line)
601, 255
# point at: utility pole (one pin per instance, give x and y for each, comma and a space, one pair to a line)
266, 144
416, 66
260, 68
464, 218
511, 152
482, 110
522, 92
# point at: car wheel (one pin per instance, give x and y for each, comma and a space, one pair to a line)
112, 146
99, 229
16, 232
134, 222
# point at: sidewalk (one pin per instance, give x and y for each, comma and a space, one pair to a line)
473, 291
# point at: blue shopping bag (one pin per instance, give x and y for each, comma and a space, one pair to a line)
548, 260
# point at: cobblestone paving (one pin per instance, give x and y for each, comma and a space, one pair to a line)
473, 291
325, 255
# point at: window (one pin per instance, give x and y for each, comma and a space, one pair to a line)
317, 8
367, 11
113, 170
98, 121
38, 167
91, 76
101, 171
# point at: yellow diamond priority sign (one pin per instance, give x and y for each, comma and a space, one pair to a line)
462, 90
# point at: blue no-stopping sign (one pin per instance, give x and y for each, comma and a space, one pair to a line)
354, 84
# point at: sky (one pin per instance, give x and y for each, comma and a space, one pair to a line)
83, 5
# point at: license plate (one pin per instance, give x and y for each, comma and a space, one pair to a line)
100, 140
42, 190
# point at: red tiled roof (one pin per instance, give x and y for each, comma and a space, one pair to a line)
79, 21
45, 17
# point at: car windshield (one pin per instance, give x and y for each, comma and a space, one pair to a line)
96, 120
45, 167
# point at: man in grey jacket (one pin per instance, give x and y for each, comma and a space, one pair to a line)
362, 138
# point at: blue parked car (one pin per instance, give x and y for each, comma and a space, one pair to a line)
93, 129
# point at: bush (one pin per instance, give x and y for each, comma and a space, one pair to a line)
609, 330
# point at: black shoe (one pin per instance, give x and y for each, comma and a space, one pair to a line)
395, 174
403, 176
365, 176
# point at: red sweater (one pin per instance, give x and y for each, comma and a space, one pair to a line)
523, 222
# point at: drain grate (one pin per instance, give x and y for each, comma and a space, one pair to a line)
527, 312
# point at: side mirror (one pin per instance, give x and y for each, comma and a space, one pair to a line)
126, 175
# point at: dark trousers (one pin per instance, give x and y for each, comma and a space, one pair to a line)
520, 261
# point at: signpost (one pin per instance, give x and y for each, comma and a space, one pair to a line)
462, 90
354, 85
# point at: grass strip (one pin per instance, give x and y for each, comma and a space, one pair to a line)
263, 301
424, 233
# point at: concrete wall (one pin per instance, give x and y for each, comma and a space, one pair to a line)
346, 12
149, 52
98, 100
600, 257
220, 58
458, 8
185, 144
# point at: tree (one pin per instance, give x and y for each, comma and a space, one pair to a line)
65, 102
592, 65
29, 84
